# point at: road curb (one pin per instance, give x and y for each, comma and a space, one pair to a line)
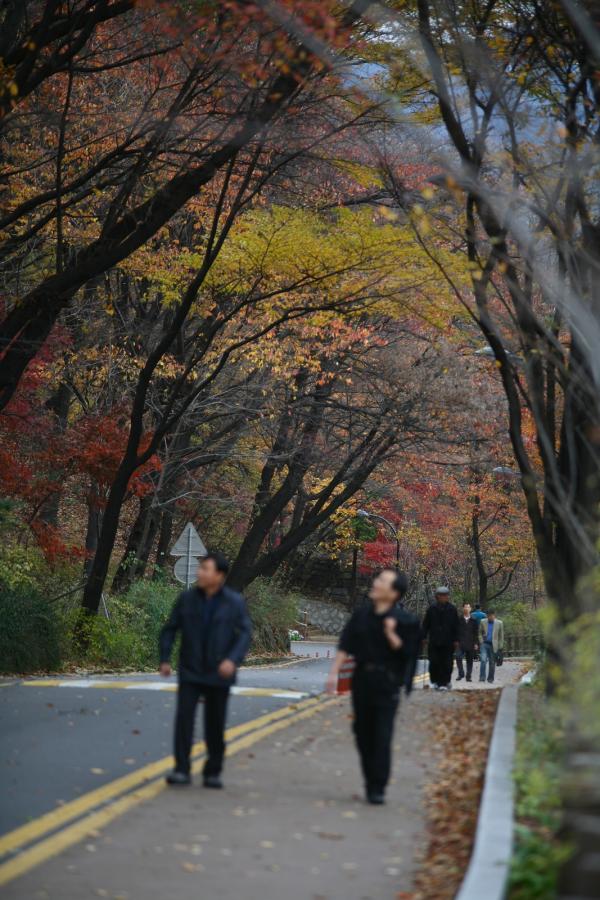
488, 870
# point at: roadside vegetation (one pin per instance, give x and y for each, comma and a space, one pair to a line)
539, 850
41, 626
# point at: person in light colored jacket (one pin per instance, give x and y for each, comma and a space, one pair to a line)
491, 640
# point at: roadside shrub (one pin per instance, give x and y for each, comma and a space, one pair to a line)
584, 677
518, 617
128, 638
26, 566
117, 642
538, 853
274, 613
39, 635
31, 634
149, 604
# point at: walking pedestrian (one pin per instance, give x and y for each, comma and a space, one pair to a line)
491, 639
478, 614
215, 636
468, 637
440, 630
383, 638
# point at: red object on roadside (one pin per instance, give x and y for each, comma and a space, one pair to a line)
345, 677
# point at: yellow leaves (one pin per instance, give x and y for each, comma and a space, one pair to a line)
386, 213
365, 176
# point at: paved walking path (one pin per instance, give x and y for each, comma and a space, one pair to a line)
508, 673
291, 825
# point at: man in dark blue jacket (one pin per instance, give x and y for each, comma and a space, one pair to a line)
215, 636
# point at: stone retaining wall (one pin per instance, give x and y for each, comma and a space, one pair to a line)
329, 618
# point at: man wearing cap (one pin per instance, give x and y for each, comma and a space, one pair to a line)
440, 630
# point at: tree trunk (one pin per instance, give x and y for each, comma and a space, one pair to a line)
92, 592
59, 404
164, 542
147, 544
94, 521
580, 875
127, 568
354, 576
482, 575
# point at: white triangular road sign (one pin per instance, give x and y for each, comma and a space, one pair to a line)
189, 542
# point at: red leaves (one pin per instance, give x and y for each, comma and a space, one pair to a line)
97, 447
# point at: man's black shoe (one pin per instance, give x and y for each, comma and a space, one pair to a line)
213, 781
178, 778
376, 798
469, 679
460, 678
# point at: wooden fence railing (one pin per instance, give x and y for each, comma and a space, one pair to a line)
522, 643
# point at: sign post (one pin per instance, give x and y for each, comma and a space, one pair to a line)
189, 547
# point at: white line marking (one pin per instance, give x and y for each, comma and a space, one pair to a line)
171, 686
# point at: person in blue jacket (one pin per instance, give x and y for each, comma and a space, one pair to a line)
478, 614
215, 633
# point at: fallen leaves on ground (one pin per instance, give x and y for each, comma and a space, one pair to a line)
461, 737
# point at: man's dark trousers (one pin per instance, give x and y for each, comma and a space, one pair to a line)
469, 656
441, 660
215, 711
375, 700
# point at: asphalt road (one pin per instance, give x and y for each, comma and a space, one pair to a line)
63, 737
58, 742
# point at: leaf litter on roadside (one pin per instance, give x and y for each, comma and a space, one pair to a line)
461, 737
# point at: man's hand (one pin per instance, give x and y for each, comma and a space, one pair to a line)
393, 638
227, 669
332, 683
476, 648
165, 669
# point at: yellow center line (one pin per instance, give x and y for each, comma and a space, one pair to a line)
90, 824
52, 820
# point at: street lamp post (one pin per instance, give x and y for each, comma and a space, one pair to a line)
365, 514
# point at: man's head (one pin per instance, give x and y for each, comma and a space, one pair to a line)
466, 610
388, 587
442, 594
477, 607
491, 614
212, 572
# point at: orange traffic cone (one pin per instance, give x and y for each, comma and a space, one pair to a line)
345, 677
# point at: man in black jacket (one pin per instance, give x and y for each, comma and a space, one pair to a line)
440, 630
215, 637
468, 637
383, 638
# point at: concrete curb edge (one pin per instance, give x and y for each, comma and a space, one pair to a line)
488, 870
